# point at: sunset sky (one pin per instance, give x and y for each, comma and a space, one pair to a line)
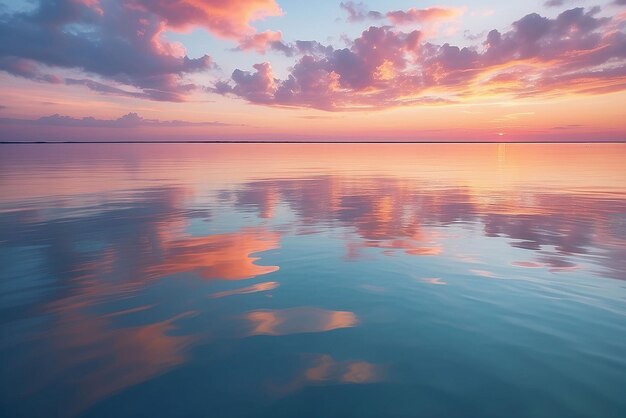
460, 70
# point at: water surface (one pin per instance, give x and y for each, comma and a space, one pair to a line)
313, 280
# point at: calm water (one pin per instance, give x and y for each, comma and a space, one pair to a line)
313, 281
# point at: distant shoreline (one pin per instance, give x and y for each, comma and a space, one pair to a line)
310, 142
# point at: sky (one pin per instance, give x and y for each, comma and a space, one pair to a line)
292, 70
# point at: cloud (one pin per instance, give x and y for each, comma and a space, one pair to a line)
400, 17
358, 12
130, 120
117, 41
28, 69
296, 48
314, 117
576, 52
225, 18
260, 42
557, 3
566, 127
332, 79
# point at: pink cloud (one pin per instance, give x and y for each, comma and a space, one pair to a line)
120, 44
432, 14
358, 12
576, 52
259, 86
260, 42
128, 121
334, 78
225, 18
92, 4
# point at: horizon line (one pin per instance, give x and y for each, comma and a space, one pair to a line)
307, 142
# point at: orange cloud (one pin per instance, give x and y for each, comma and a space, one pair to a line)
431, 14
225, 18
260, 42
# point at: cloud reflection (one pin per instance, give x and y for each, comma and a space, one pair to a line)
107, 253
298, 320
110, 359
327, 369
221, 256
400, 214
434, 281
323, 369
104, 316
259, 287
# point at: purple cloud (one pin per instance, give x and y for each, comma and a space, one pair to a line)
130, 120
557, 3
576, 52
357, 12
106, 39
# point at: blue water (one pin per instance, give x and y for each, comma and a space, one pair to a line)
313, 281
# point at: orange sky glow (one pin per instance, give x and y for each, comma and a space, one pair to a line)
196, 70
